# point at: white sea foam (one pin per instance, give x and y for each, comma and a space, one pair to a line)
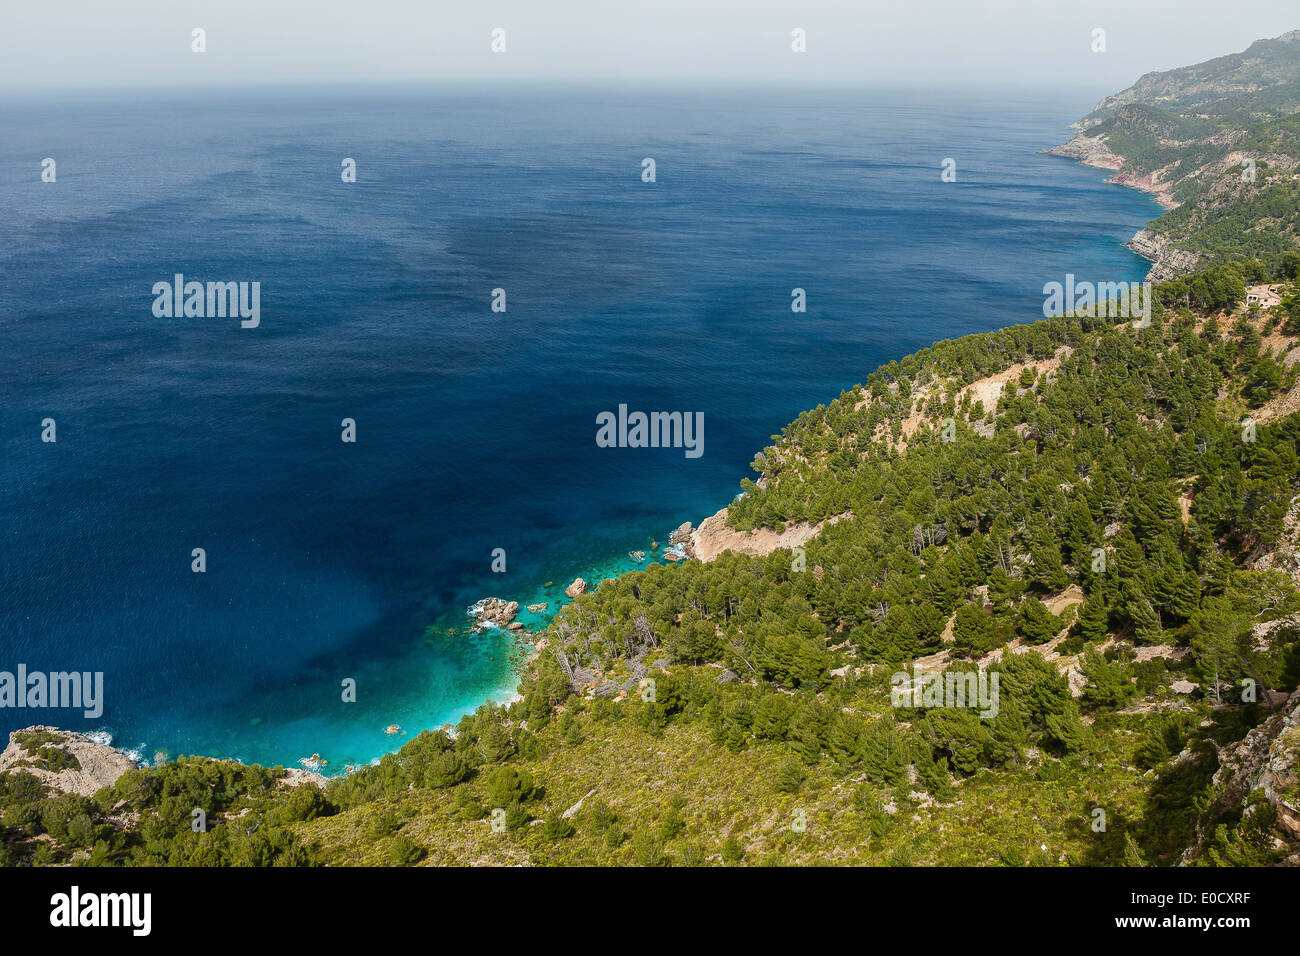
105, 739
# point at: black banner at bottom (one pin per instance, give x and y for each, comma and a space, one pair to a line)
218, 905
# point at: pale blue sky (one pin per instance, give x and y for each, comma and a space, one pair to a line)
76, 43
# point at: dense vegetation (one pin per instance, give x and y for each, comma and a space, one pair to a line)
1096, 527
1194, 128
1085, 509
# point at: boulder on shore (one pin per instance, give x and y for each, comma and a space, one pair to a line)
682, 540
578, 586
496, 611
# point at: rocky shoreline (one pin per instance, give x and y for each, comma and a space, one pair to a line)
1167, 261
1091, 151
69, 762
714, 536
100, 765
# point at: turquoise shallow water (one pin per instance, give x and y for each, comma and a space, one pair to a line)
328, 561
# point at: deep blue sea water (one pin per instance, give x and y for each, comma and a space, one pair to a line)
476, 430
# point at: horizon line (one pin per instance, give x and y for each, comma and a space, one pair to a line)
574, 84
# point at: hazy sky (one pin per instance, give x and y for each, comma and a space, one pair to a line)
76, 43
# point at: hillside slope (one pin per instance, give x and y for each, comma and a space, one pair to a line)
1219, 145
1101, 516
1024, 597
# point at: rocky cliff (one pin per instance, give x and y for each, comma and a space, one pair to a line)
1266, 762
63, 760
1168, 261
1218, 145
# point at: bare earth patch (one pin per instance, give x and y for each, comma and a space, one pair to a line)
989, 390
713, 537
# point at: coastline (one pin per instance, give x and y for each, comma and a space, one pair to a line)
1093, 152
1167, 262
709, 538
319, 768
685, 542
712, 535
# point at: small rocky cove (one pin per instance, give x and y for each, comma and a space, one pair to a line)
71, 762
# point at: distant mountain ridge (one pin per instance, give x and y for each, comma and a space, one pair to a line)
1105, 515
1217, 143
1215, 86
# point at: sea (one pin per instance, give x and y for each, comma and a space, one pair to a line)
504, 269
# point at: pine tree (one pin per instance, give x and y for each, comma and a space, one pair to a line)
1094, 620
1132, 852
790, 775
1047, 568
